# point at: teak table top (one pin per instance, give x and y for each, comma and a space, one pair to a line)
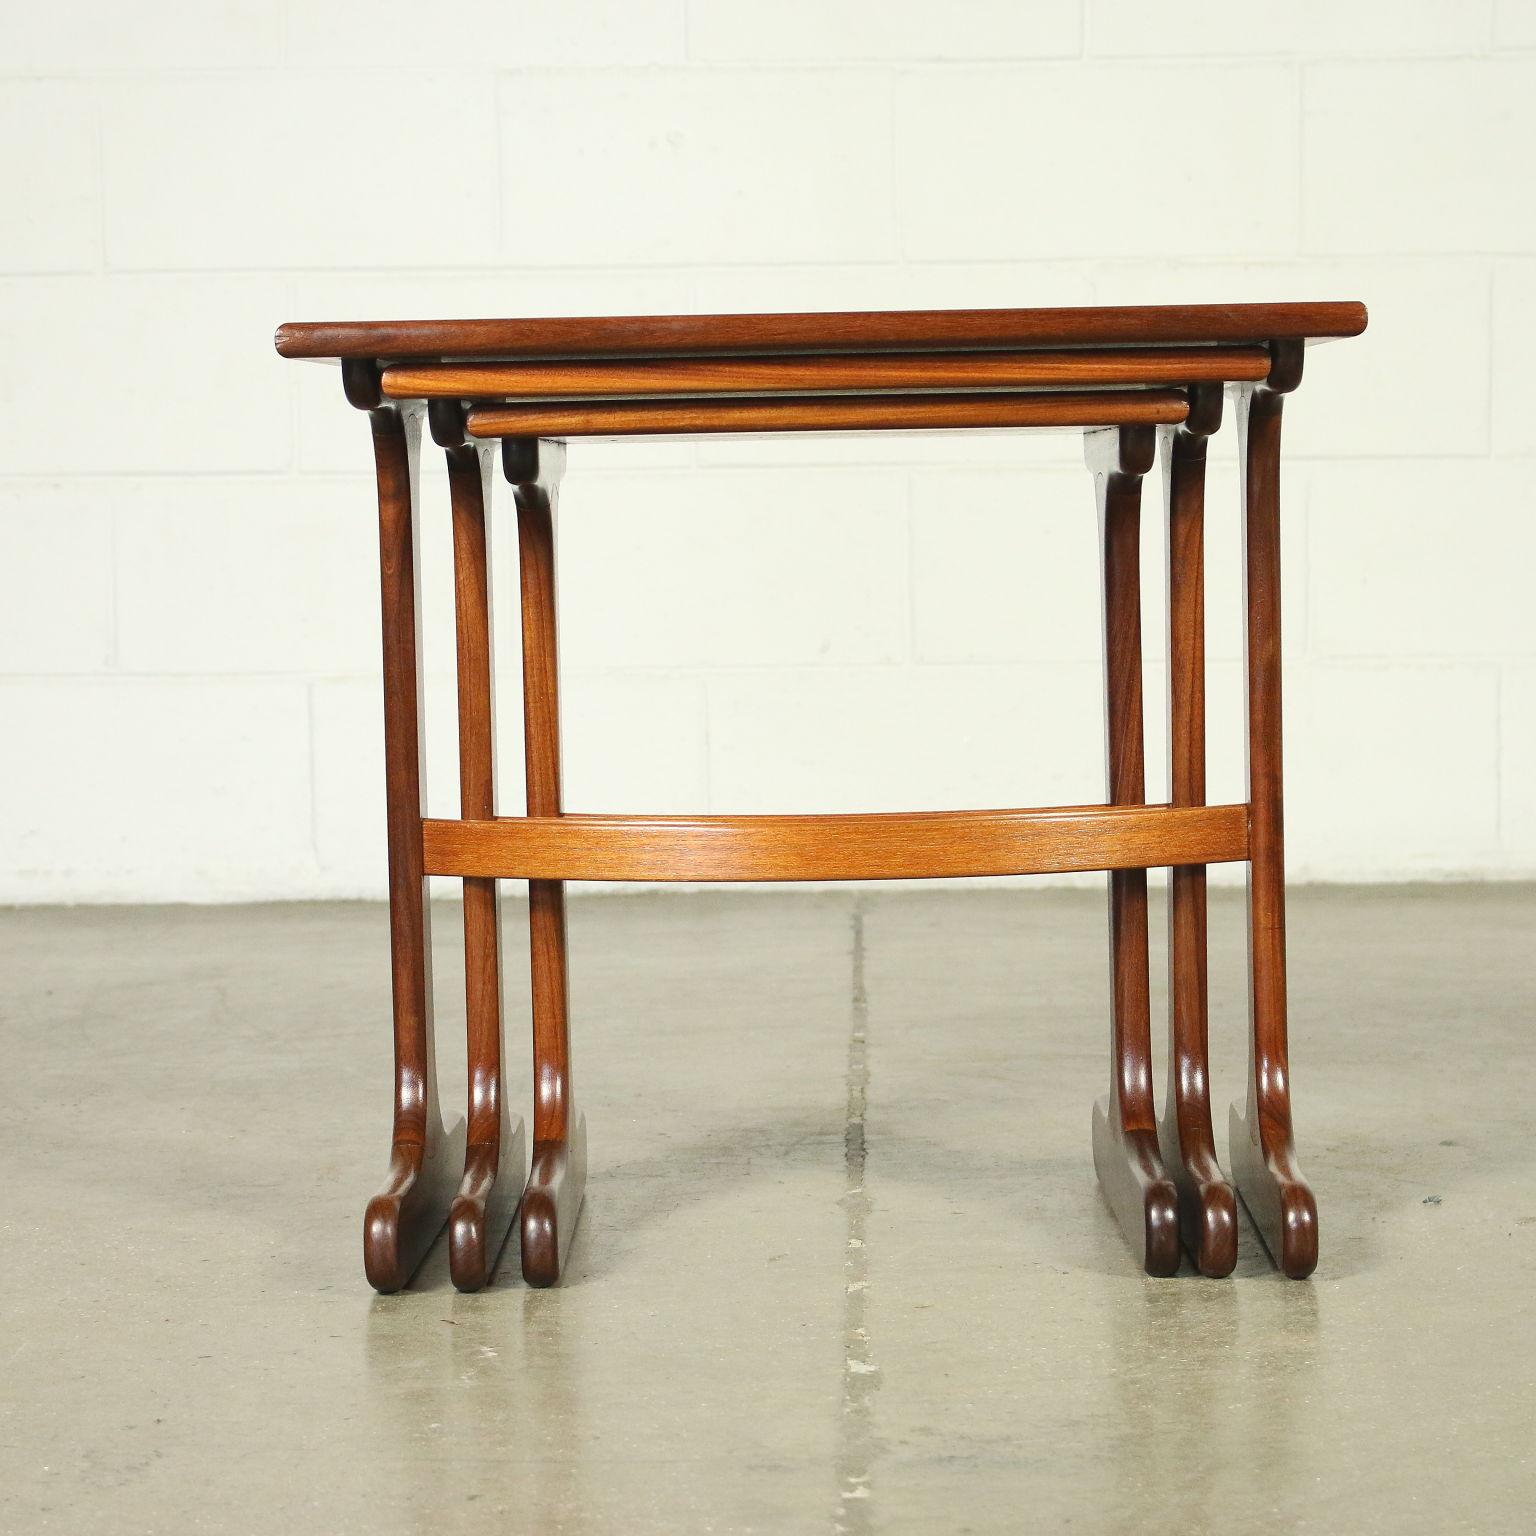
873, 331
917, 370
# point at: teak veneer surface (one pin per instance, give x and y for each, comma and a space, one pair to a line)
909, 846
857, 331
871, 371
827, 413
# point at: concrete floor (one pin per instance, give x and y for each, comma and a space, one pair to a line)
770, 1324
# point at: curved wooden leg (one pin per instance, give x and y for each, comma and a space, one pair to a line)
405, 1215
557, 1184
1262, 1153
557, 1178
1207, 1202
1125, 1151
495, 1156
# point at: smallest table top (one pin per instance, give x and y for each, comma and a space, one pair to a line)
635, 336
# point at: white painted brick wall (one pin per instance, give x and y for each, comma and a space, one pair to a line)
188, 605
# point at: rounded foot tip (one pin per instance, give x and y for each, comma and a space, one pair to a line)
540, 1240
1298, 1231
1217, 1255
1162, 1220
466, 1244
381, 1244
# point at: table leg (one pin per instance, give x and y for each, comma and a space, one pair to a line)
406, 1214
1262, 1155
558, 1175
1125, 1150
495, 1157
1207, 1204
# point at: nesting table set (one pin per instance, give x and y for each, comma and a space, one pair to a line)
1129, 379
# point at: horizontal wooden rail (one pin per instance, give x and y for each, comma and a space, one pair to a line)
880, 371
830, 413
910, 846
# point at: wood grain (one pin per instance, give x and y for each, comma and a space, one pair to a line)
1084, 369
855, 331
553, 1196
1262, 1150
482, 1211
1125, 1152
909, 846
1207, 1202
407, 1213
826, 413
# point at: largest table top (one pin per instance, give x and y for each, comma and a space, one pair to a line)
852, 331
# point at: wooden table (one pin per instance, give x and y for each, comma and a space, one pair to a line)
1129, 378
